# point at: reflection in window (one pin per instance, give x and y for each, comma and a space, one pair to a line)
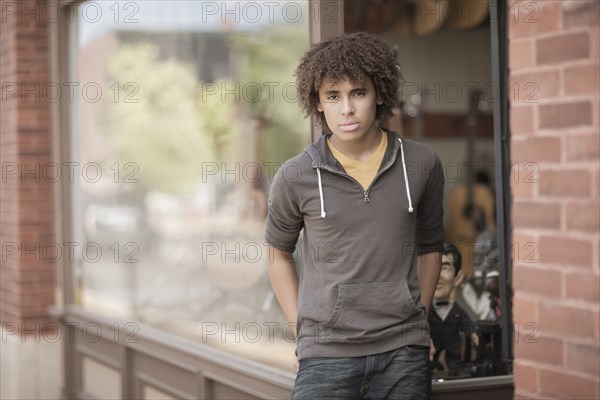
444, 50
197, 112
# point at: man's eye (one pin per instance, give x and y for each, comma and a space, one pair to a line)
359, 94
332, 97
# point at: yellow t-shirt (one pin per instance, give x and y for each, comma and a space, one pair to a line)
363, 171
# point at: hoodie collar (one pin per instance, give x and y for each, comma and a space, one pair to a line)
323, 158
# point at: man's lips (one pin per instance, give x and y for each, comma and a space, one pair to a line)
349, 127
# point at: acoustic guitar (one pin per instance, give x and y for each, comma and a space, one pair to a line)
471, 205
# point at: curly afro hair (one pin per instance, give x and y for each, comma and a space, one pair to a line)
355, 57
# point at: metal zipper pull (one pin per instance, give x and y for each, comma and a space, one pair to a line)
367, 197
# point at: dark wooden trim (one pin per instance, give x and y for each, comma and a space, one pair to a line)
499, 37
59, 71
204, 362
326, 21
143, 378
489, 388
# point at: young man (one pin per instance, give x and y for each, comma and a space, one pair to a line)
450, 324
370, 204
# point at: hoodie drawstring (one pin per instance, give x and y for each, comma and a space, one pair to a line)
410, 207
323, 213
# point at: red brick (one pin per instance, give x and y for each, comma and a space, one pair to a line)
27, 288
526, 377
34, 312
573, 183
520, 188
528, 18
565, 251
595, 46
33, 123
36, 206
36, 299
521, 120
532, 86
583, 358
568, 321
597, 324
537, 280
12, 310
584, 286
530, 214
583, 13
584, 147
584, 216
525, 249
37, 218
524, 177
565, 115
534, 150
533, 347
521, 54
34, 286
566, 386
19, 275
566, 47
35, 268
582, 79
525, 310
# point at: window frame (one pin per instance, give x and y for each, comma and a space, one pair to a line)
499, 33
61, 63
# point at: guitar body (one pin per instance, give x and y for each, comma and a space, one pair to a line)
471, 205
469, 217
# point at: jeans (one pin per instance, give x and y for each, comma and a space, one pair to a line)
403, 373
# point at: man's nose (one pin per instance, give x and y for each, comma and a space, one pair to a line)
347, 106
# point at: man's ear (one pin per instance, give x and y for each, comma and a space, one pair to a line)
379, 101
319, 107
459, 278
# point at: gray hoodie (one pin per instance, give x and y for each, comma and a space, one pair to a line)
358, 288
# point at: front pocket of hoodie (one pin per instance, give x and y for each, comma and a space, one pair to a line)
368, 311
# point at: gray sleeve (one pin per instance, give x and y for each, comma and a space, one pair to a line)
284, 219
429, 236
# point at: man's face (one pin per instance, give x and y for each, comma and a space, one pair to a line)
349, 108
448, 278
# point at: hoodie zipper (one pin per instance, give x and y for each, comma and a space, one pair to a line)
366, 192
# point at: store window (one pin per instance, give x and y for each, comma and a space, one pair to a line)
448, 96
188, 108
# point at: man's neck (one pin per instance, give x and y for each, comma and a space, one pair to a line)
360, 149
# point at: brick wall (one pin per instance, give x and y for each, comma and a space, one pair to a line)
554, 73
26, 217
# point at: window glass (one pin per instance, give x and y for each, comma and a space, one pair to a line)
447, 95
187, 109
